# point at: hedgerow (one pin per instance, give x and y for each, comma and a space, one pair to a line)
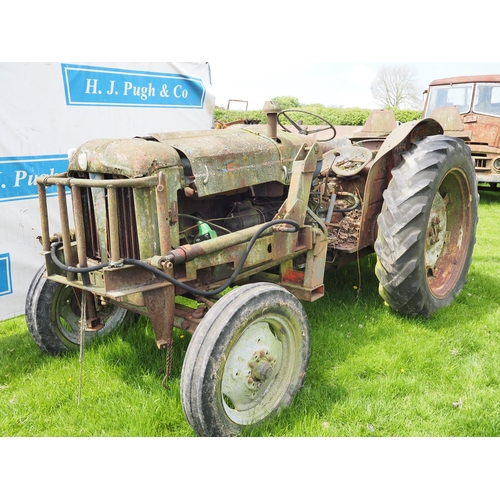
336, 116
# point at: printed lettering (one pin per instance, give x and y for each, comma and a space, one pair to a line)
142, 92
150, 90
164, 90
91, 86
22, 174
112, 88
19, 176
127, 87
180, 92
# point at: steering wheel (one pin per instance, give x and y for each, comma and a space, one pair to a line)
303, 130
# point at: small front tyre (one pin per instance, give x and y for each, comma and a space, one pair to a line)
247, 359
53, 315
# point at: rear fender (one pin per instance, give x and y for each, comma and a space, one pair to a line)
388, 156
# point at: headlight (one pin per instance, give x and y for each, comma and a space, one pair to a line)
496, 164
82, 160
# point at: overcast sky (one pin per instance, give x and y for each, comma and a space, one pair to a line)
264, 49
330, 83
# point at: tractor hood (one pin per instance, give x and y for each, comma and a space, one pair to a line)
219, 160
226, 160
131, 158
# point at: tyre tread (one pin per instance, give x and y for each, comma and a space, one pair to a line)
403, 221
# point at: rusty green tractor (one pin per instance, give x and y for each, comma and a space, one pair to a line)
224, 233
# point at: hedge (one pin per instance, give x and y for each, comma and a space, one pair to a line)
336, 116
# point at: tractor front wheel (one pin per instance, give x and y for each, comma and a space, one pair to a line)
53, 315
247, 359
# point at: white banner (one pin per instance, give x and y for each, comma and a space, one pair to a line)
46, 109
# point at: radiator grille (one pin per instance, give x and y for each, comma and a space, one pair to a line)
127, 227
480, 163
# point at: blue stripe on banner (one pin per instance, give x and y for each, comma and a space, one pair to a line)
18, 175
5, 274
96, 86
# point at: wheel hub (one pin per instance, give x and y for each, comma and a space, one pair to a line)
261, 366
436, 233
251, 366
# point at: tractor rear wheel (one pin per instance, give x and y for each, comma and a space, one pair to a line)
427, 227
247, 359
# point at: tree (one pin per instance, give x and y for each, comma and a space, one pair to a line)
396, 87
287, 101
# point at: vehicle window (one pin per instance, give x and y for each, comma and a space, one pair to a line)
456, 95
487, 99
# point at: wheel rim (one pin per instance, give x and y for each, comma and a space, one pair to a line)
448, 233
66, 313
259, 366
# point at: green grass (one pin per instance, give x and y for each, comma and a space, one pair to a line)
371, 372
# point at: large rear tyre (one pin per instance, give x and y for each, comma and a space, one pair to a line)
53, 315
427, 227
247, 359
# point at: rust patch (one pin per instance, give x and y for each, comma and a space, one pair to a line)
292, 276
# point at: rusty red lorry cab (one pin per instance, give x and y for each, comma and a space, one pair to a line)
469, 107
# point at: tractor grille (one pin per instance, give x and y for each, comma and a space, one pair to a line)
104, 208
91, 239
127, 227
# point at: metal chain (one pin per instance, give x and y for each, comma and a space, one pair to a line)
169, 348
83, 327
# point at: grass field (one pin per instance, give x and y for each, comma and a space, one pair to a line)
371, 372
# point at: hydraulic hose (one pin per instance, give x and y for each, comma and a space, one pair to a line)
72, 269
170, 279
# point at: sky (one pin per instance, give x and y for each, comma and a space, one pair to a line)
345, 84
263, 50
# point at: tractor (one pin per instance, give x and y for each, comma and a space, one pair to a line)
224, 233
